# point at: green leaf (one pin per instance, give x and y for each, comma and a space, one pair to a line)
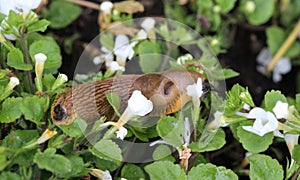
250, 140
298, 102
132, 172
163, 170
40, 25
209, 171
51, 49
163, 153
262, 13
271, 98
296, 153
226, 5
171, 130
275, 38
107, 40
48, 81
105, 164
61, 14
229, 73
78, 167
15, 59
55, 163
3, 161
18, 138
34, 108
290, 12
149, 54
264, 167
11, 110
115, 101
108, 150
76, 129
10, 176
217, 142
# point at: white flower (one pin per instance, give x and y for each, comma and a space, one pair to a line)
219, 121
195, 90
19, 6
40, 58
281, 109
123, 49
283, 66
103, 175
45, 136
106, 7
13, 82
138, 104
183, 59
116, 67
250, 6
121, 133
264, 123
291, 140
148, 24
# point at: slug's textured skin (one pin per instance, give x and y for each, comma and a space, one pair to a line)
166, 90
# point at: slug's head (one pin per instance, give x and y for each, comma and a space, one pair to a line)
62, 109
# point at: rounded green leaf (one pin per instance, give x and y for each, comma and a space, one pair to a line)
163, 170
15, 59
252, 142
11, 110
10, 176
263, 11
226, 5
76, 129
34, 108
61, 13
163, 152
132, 172
171, 130
217, 142
55, 163
264, 167
211, 172
149, 54
296, 153
108, 150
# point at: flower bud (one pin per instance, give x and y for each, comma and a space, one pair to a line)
61, 79
249, 7
40, 59
13, 82
45, 136
101, 174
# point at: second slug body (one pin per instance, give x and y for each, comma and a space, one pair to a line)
166, 90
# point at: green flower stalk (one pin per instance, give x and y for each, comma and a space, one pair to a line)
61, 79
13, 82
40, 59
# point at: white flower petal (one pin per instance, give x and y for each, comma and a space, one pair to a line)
264, 123
121, 133
40, 58
19, 6
106, 7
116, 67
283, 66
195, 90
6, 6
121, 40
277, 133
277, 77
148, 24
98, 60
187, 131
264, 57
291, 140
123, 49
138, 104
141, 35
281, 109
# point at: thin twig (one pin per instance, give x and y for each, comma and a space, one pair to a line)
27, 60
285, 46
85, 4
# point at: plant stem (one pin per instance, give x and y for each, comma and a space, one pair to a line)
85, 4
285, 46
27, 60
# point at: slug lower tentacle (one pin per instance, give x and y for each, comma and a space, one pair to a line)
166, 90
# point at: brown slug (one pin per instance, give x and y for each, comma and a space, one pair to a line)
166, 90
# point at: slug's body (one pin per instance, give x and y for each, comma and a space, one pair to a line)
166, 90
